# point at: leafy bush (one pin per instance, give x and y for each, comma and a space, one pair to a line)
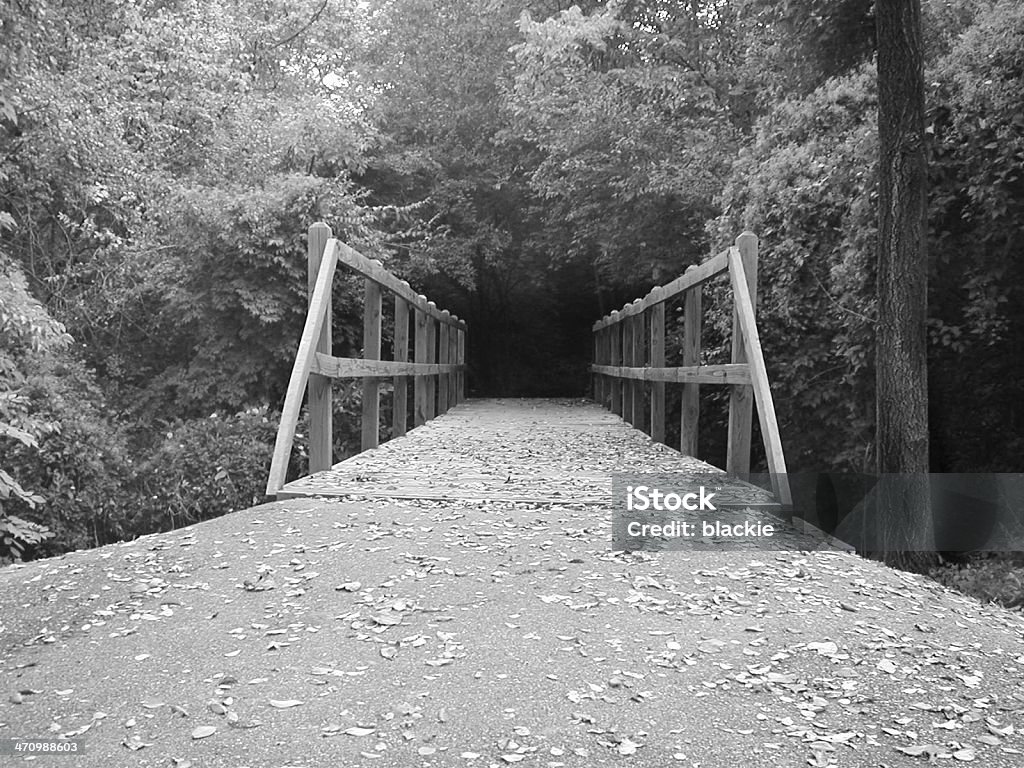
17, 536
79, 463
977, 278
202, 468
806, 186
26, 331
997, 578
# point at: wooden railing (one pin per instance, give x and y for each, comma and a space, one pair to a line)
438, 370
629, 354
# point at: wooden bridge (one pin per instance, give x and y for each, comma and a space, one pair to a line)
458, 603
523, 450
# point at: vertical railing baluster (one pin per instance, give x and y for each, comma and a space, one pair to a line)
453, 358
615, 337
658, 361
420, 388
431, 406
371, 351
741, 397
462, 361
400, 399
639, 354
318, 388
442, 357
690, 406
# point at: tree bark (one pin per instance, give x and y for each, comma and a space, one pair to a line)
904, 521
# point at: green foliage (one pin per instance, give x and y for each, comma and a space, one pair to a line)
80, 463
806, 186
228, 294
26, 329
977, 204
629, 110
991, 579
201, 469
18, 536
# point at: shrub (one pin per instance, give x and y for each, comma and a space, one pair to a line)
996, 578
201, 469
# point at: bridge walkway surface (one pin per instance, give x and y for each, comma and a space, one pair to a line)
484, 620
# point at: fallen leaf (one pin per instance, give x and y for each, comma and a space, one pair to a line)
135, 743
827, 648
930, 750
286, 704
357, 730
627, 747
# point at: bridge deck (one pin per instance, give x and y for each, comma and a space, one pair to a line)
420, 633
533, 451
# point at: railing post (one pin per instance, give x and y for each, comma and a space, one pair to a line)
627, 362
400, 400
318, 388
615, 339
658, 361
431, 408
639, 354
741, 398
462, 361
371, 351
453, 359
442, 357
690, 406
420, 389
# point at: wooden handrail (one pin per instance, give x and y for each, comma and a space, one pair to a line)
629, 350
438, 374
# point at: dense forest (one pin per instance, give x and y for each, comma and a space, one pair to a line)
529, 165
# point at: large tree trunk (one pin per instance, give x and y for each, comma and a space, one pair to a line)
905, 526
